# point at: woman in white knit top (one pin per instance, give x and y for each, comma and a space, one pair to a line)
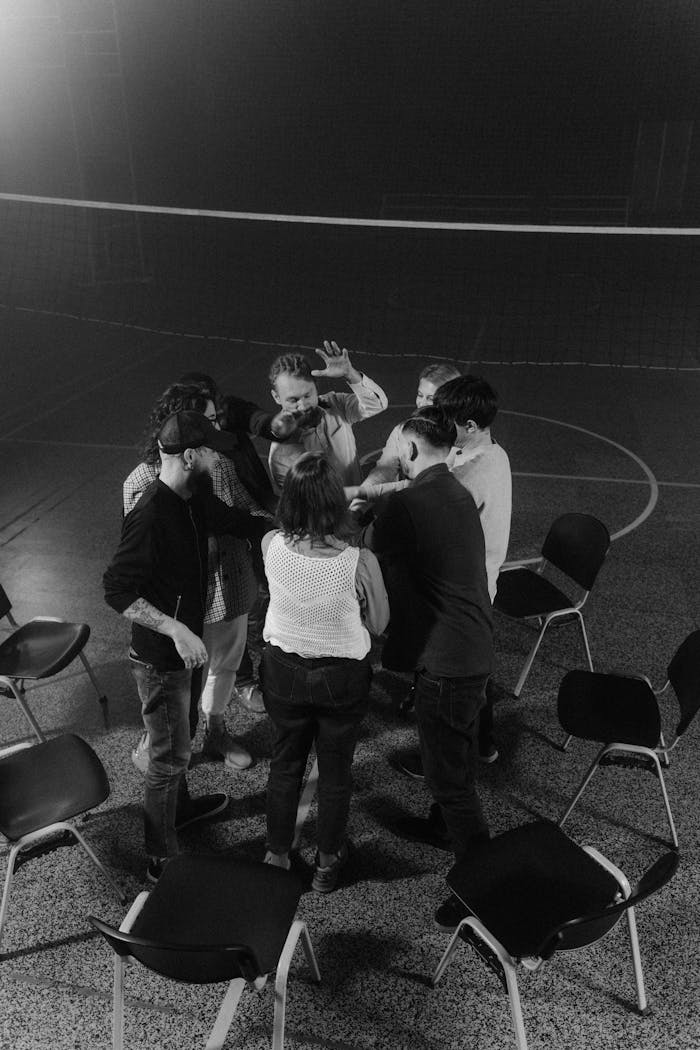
325, 599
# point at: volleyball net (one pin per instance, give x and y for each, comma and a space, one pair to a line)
475, 293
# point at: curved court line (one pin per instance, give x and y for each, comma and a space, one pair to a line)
653, 483
650, 477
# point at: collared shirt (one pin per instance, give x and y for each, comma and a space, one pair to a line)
334, 434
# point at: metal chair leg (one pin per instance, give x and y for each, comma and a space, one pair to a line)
95, 859
637, 961
664, 792
297, 929
217, 1036
516, 1011
11, 859
102, 699
585, 639
118, 1003
21, 699
584, 784
530, 660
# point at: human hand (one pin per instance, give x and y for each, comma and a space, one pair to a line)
352, 492
190, 648
338, 365
283, 425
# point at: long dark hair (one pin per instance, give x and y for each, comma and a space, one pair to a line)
313, 501
175, 398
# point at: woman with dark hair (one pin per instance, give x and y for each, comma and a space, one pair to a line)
325, 598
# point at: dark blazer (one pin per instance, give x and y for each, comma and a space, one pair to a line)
431, 548
245, 420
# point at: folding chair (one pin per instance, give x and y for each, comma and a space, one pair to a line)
576, 545
531, 892
212, 919
622, 713
42, 788
41, 649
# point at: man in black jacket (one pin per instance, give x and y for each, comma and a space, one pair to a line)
431, 546
158, 579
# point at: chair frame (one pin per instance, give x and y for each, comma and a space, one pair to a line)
217, 1037
574, 610
509, 963
658, 756
16, 685
45, 834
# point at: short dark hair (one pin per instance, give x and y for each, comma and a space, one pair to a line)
178, 397
291, 365
432, 426
468, 397
204, 380
439, 373
313, 499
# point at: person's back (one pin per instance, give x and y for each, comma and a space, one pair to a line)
434, 568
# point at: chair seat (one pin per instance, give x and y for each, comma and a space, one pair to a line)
524, 883
609, 708
522, 593
219, 901
36, 792
42, 648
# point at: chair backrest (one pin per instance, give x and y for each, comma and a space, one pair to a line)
609, 708
5, 603
577, 544
192, 964
684, 676
586, 929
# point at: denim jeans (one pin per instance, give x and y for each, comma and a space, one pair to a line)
447, 714
165, 706
321, 701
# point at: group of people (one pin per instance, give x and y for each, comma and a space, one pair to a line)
323, 560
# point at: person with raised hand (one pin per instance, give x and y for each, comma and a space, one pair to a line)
324, 422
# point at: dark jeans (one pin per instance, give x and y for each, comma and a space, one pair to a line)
312, 701
256, 621
447, 713
165, 708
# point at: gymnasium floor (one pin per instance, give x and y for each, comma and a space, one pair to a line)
622, 444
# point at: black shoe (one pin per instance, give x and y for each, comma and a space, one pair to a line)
410, 763
325, 880
430, 829
155, 868
203, 808
450, 913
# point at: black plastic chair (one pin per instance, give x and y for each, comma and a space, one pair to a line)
40, 649
532, 892
42, 788
212, 919
622, 713
576, 545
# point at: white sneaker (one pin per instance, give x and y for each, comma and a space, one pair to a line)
250, 697
141, 754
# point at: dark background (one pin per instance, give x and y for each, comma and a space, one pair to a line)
323, 107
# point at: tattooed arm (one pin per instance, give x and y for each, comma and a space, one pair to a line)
189, 646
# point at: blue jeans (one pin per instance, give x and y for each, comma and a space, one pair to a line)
321, 701
447, 714
165, 708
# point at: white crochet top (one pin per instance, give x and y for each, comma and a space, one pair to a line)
314, 610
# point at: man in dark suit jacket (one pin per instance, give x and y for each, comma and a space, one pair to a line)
431, 546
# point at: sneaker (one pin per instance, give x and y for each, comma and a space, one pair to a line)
218, 743
450, 913
326, 879
278, 860
155, 868
410, 763
202, 808
250, 697
141, 754
489, 756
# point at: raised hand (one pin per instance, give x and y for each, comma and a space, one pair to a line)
337, 362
